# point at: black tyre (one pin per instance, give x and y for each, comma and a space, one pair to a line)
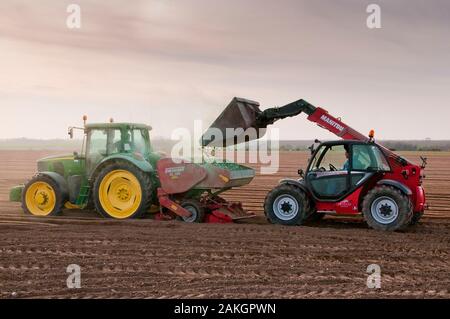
416, 218
286, 205
197, 210
43, 197
387, 208
122, 191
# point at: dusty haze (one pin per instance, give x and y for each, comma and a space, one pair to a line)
169, 62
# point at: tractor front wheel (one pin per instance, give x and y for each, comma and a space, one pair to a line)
386, 208
286, 205
42, 197
122, 191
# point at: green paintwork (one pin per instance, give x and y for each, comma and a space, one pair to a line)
142, 164
15, 194
65, 165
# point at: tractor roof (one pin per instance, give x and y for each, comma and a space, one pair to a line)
117, 126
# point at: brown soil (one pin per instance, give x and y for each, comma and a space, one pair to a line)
149, 259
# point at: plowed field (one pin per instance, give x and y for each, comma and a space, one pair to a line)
150, 259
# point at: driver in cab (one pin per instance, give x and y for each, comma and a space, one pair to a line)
356, 160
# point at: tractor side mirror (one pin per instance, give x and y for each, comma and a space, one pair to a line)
77, 156
301, 173
71, 132
312, 149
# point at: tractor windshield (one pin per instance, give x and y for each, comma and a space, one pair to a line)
106, 142
140, 141
130, 141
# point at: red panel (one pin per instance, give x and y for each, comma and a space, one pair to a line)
177, 178
347, 206
216, 217
175, 208
420, 199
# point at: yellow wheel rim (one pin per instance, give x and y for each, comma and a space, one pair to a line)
40, 199
120, 194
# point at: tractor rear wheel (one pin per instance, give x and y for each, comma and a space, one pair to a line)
122, 191
286, 205
42, 197
387, 208
196, 209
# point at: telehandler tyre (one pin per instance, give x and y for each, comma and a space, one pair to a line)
416, 218
42, 197
387, 208
122, 191
286, 205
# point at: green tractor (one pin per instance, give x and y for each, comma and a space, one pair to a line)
121, 176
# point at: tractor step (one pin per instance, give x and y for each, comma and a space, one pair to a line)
83, 195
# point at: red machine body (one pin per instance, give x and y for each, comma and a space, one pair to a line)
187, 185
408, 174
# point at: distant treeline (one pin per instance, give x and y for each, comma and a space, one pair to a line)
165, 145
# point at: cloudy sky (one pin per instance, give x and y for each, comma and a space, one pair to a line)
169, 62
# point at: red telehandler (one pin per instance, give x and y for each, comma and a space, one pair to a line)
347, 177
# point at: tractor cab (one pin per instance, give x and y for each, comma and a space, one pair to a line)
105, 140
337, 168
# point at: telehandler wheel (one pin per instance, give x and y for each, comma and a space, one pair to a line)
197, 210
416, 218
286, 205
387, 208
121, 191
42, 196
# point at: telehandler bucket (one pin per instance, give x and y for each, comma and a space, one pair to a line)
237, 124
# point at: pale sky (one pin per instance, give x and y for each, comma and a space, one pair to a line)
169, 62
